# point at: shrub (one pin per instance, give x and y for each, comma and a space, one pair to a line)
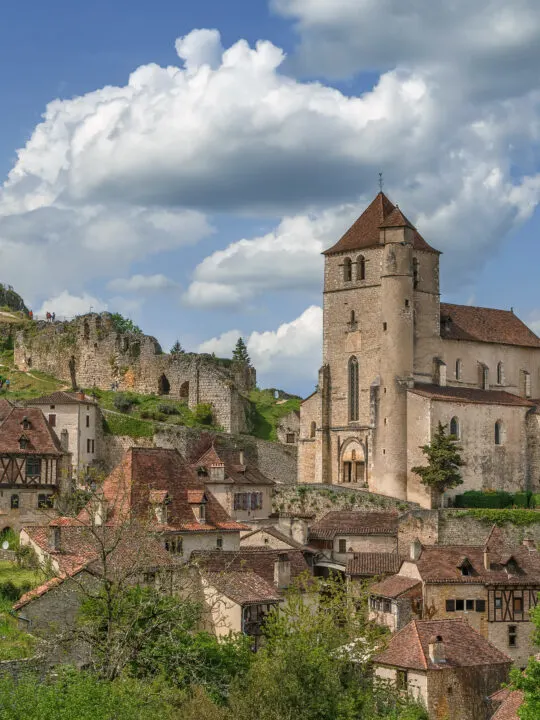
521, 499
478, 499
168, 410
10, 591
203, 414
122, 403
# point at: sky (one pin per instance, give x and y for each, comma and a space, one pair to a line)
185, 164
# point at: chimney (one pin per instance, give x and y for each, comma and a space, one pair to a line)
217, 472
282, 571
64, 440
437, 650
416, 550
81, 395
487, 558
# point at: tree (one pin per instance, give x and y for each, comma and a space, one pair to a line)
529, 680
124, 325
240, 353
444, 460
177, 349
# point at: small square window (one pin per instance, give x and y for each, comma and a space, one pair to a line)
385, 326
469, 604
450, 605
342, 544
498, 603
460, 605
219, 543
480, 606
52, 419
518, 604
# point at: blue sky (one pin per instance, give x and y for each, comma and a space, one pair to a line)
197, 199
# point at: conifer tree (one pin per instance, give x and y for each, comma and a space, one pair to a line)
444, 460
240, 353
177, 348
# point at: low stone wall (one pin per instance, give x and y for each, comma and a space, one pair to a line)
9, 555
457, 528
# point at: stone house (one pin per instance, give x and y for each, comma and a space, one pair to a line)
76, 420
34, 469
356, 542
240, 487
445, 664
396, 361
240, 588
270, 536
288, 428
493, 586
395, 601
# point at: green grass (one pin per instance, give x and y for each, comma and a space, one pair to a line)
126, 425
515, 516
15, 643
268, 412
25, 386
20, 577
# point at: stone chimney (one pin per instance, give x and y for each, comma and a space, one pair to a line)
216, 472
416, 550
282, 571
437, 650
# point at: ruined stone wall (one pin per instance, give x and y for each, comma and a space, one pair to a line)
89, 352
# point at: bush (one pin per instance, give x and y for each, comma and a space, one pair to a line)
10, 591
168, 410
203, 414
522, 499
478, 499
122, 403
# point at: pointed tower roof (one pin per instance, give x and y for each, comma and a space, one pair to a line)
364, 233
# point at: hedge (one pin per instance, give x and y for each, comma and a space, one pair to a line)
496, 500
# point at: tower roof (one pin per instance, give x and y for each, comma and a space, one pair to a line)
364, 233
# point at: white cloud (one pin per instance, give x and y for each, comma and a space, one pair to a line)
142, 283
283, 355
67, 306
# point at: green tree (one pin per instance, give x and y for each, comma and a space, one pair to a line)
529, 680
124, 325
240, 353
177, 349
444, 460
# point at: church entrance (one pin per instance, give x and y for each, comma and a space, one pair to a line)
353, 463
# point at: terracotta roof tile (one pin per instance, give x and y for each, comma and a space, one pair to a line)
244, 587
235, 472
196, 497
511, 701
342, 522
469, 395
369, 564
274, 532
364, 232
395, 586
464, 647
40, 436
62, 398
5, 408
464, 322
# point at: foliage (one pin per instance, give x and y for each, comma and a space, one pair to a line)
124, 325
11, 300
444, 460
202, 414
529, 680
123, 403
267, 412
514, 516
22, 578
24, 386
126, 425
15, 644
177, 349
480, 499
240, 354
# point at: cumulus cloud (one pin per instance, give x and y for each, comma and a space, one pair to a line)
142, 283
66, 305
283, 355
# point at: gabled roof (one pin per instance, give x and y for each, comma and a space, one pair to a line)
511, 701
146, 470
343, 522
477, 396
464, 647
243, 587
274, 532
369, 564
5, 408
60, 397
395, 586
488, 325
235, 472
41, 438
364, 233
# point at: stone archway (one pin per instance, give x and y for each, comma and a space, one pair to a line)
164, 386
184, 390
352, 462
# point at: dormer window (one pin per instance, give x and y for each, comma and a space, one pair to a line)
23, 443
465, 567
26, 423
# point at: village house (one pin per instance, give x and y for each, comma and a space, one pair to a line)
397, 361
359, 544
395, 601
493, 586
75, 418
272, 538
240, 488
445, 664
34, 469
240, 588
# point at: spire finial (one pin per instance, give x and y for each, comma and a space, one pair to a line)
381, 181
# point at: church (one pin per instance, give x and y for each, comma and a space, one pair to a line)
397, 361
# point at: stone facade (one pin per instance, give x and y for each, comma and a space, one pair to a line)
288, 428
396, 362
90, 352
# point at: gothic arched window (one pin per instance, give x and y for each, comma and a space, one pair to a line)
353, 389
459, 369
347, 270
500, 373
455, 429
360, 268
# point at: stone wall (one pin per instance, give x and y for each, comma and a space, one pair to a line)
90, 352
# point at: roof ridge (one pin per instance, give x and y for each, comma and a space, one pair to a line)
480, 307
422, 653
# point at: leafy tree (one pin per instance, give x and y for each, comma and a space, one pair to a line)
444, 460
529, 680
202, 414
177, 349
240, 353
124, 325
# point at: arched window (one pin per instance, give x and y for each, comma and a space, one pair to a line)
459, 369
416, 275
313, 429
485, 377
455, 428
353, 389
498, 433
14, 502
353, 317
500, 373
347, 269
361, 268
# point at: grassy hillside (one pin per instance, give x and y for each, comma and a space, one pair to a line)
25, 385
268, 411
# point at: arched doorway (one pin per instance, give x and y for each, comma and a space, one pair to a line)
184, 390
164, 387
352, 462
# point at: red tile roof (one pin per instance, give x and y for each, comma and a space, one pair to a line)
511, 701
464, 322
62, 398
342, 522
38, 592
469, 395
274, 532
5, 408
235, 472
244, 587
364, 233
40, 436
369, 564
144, 470
395, 586
464, 647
